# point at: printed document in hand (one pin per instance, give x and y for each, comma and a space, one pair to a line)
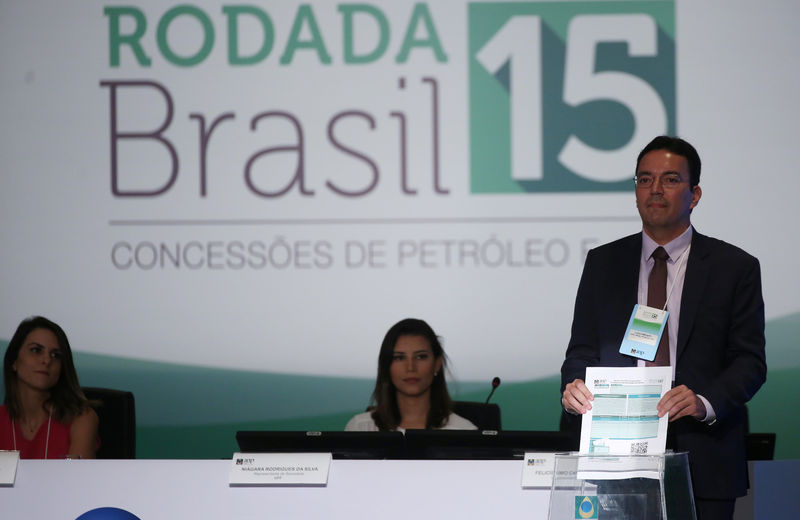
623, 419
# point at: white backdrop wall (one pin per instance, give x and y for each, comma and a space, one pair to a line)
267, 187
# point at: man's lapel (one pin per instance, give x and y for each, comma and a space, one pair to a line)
629, 270
694, 285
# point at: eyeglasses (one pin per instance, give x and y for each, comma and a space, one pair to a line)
669, 181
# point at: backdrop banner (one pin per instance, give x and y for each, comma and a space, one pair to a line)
226, 205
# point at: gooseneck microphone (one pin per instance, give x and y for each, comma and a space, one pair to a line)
495, 384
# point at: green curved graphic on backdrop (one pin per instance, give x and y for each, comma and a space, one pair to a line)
194, 412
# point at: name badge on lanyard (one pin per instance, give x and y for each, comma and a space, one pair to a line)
647, 324
644, 332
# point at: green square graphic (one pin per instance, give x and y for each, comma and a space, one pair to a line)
563, 95
586, 507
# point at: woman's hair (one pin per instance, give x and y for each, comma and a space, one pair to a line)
385, 412
66, 396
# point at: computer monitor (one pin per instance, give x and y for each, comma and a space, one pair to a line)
484, 444
342, 445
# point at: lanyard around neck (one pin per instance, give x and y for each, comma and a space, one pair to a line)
682, 260
47, 439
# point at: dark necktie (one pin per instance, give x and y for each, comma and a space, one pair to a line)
657, 297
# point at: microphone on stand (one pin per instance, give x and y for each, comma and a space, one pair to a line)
495, 384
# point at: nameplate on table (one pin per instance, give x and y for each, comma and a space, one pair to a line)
280, 469
8, 467
537, 470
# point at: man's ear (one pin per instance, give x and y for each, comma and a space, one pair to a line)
696, 194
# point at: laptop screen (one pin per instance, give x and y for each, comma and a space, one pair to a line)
484, 444
342, 445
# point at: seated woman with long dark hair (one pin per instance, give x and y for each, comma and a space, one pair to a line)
410, 391
45, 414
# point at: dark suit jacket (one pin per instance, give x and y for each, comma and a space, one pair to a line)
720, 346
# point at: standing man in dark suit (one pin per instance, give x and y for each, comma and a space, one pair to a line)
715, 327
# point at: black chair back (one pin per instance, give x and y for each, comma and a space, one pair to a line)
758, 446
484, 416
117, 413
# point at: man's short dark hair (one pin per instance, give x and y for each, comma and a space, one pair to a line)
677, 146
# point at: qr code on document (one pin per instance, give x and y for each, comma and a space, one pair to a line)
639, 448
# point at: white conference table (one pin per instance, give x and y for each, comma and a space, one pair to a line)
178, 489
